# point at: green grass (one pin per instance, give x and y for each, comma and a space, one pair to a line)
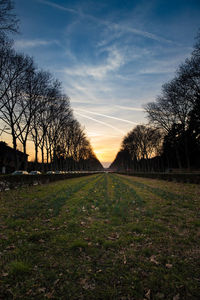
106, 236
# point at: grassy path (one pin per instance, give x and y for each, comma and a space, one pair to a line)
106, 236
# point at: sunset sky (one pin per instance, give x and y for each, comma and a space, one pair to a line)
111, 56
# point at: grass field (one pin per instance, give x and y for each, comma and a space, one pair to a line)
106, 236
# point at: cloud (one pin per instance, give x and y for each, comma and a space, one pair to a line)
114, 60
164, 66
21, 44
111, 25
142, 33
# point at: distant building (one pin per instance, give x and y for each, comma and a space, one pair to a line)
8, 158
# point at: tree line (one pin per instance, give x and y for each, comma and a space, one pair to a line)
34, 107
171, 139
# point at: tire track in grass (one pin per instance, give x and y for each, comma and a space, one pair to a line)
135, 211
116, 195
158, 203
121, 201
184, 196
80, 199
166, 195
124, 191
177, 187
85, 222
37, 219
56, 202
156, 216
153, 226
163, 212
143, 192
166, 204
122, 188
97, 238
94, 210
68, 212
43, 201
74, 217
50, 232
95, 196
172, 217
78, 211
117, 233
31, 227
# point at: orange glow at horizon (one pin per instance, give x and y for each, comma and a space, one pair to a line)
104, 147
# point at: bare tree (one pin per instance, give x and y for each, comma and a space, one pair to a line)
141, 144
10, 98
8, 75
173, 107
8, 20
42, 81
173, 110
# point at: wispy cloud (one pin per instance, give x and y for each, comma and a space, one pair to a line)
21, 44
100, 122
164, 66
111, 25
114, 60
142, 33
106, 116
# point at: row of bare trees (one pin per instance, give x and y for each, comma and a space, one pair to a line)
172, 136
138, 148
33, 107
177, 113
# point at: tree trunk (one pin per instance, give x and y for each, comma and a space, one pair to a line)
178, 157
36, 148
42, 153
24, 147
16, 160
24, 150
36, 153
47, 150
187, 152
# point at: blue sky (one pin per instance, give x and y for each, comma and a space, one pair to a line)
111, 56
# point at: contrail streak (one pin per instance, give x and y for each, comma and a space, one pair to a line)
110, 117
52, 4
130, 108
100, 122
97, 135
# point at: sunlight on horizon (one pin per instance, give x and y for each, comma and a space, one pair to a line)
103, 151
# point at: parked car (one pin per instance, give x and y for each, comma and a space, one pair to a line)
35, 173
19, 172
59, 172
50, 172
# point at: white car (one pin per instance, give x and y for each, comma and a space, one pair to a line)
50, 172
19, 172
35, 173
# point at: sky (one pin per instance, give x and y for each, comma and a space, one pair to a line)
112, 57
